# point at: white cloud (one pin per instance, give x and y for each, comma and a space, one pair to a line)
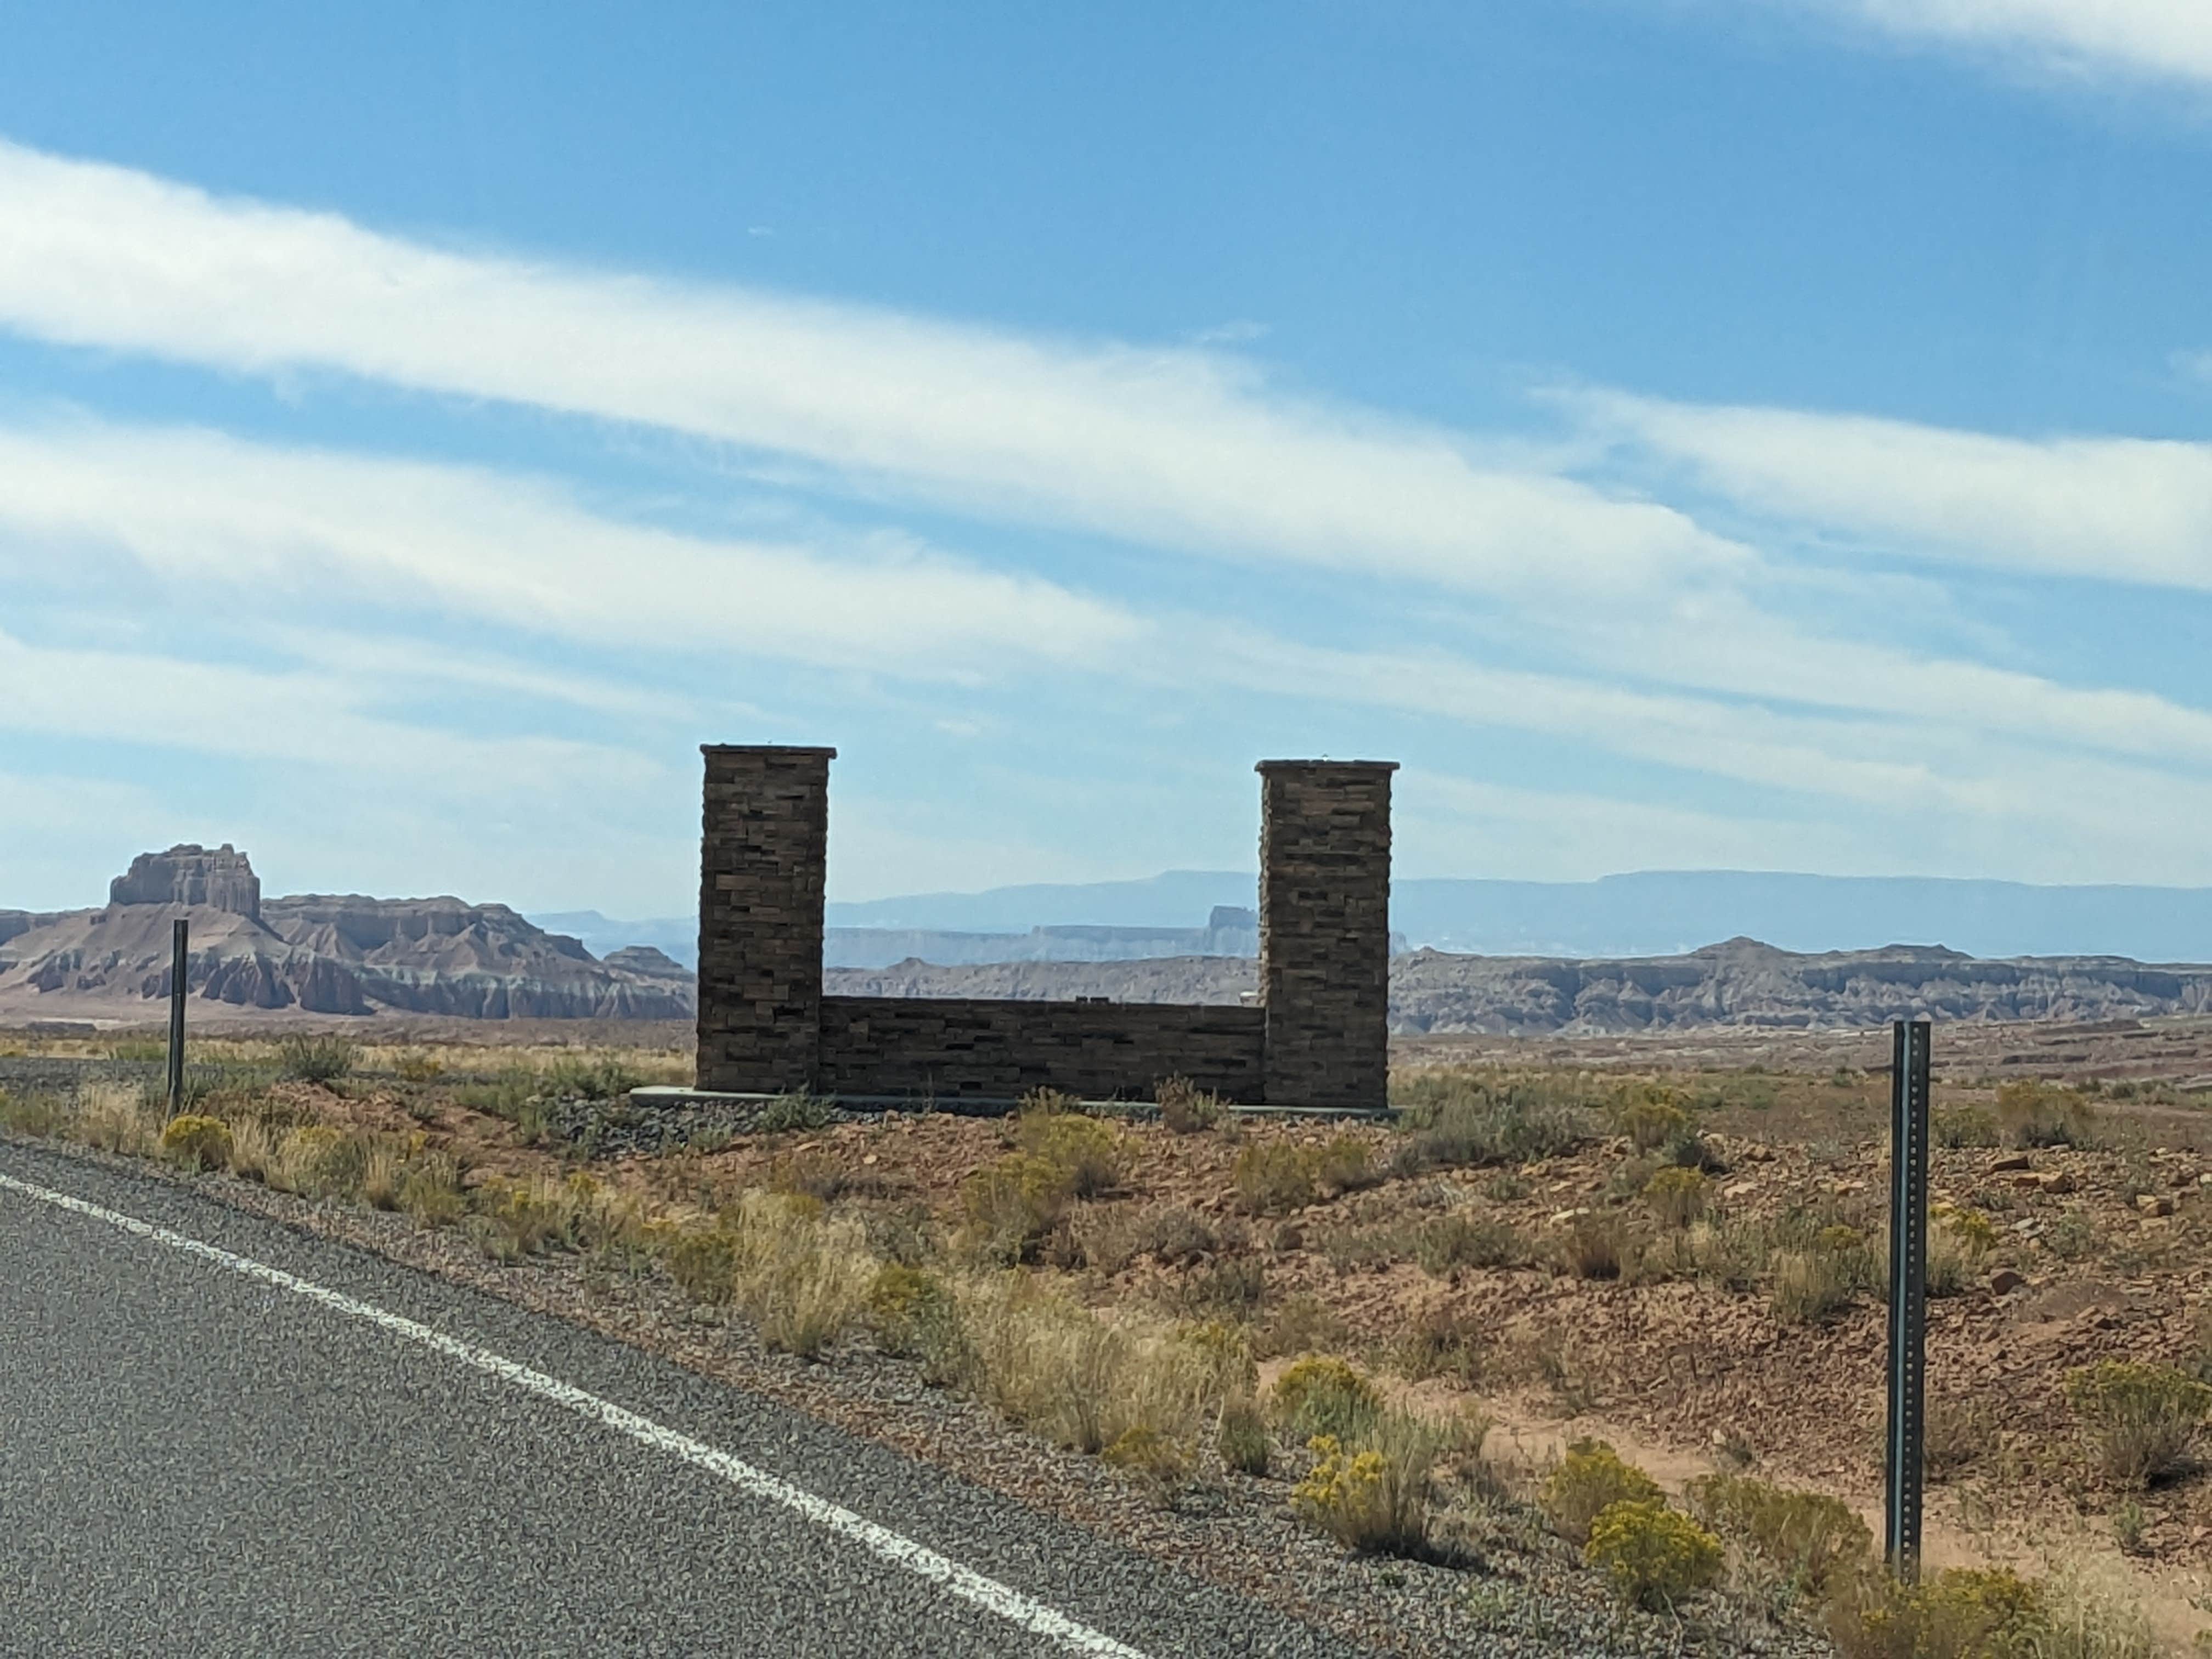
2113, 510
1175, 447
299, 718
204, 508
2162, 40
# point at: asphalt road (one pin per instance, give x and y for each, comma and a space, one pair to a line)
197, 1460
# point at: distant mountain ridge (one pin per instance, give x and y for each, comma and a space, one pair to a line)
314, 953
1741, 983
1651, 913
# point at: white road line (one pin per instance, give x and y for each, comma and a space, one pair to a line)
989, 1594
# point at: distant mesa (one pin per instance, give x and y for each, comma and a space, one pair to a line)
192, 875
314, 953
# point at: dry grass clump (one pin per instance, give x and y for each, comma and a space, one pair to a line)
1012, 1205
1081, 1381
1812, 1540
1826, 1268
1599, 1245
2033, 1114
1590, 1479
2140, 1420
114, 1119
1442, 1341
801, 1277
1465, 1238
1956, 1434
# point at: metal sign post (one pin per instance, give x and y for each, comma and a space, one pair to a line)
179, 958
1908, 1296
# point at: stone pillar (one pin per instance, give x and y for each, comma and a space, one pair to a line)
763, 848
1325, 931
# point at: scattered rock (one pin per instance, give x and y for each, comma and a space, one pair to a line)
2004, 1281
2011, 1161
2154, 1203
2045, 1180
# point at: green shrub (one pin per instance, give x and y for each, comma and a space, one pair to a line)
1091, 1157
2140, 1419
1186, 1108
1453, 1119
1650, 1116
315, 1059
1242, 1436
1374, 1498
1811, 1285
791, 1112
430, 1191
1157, 1459
1961, 1612
1652, 1557
1273, 1176
1676, 1195
505, 1094
1464, 1239
1324, 1395
907, 1309
202, 1142
1342, 1164
591, 1079
1590, 1479
1965, 1125
1812, 1539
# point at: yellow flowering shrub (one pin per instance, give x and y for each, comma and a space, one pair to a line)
1652, 1557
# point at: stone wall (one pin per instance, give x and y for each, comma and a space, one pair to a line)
1325, 931
957, 1048
764, 843
1318, 1039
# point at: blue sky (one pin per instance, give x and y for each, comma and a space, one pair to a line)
1684, 433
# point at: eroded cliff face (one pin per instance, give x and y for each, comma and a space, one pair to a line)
317, 954
1741, 982
192, 876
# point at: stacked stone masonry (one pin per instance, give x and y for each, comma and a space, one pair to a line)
1318, 1039
1325, 929
763, 860
970, 1048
